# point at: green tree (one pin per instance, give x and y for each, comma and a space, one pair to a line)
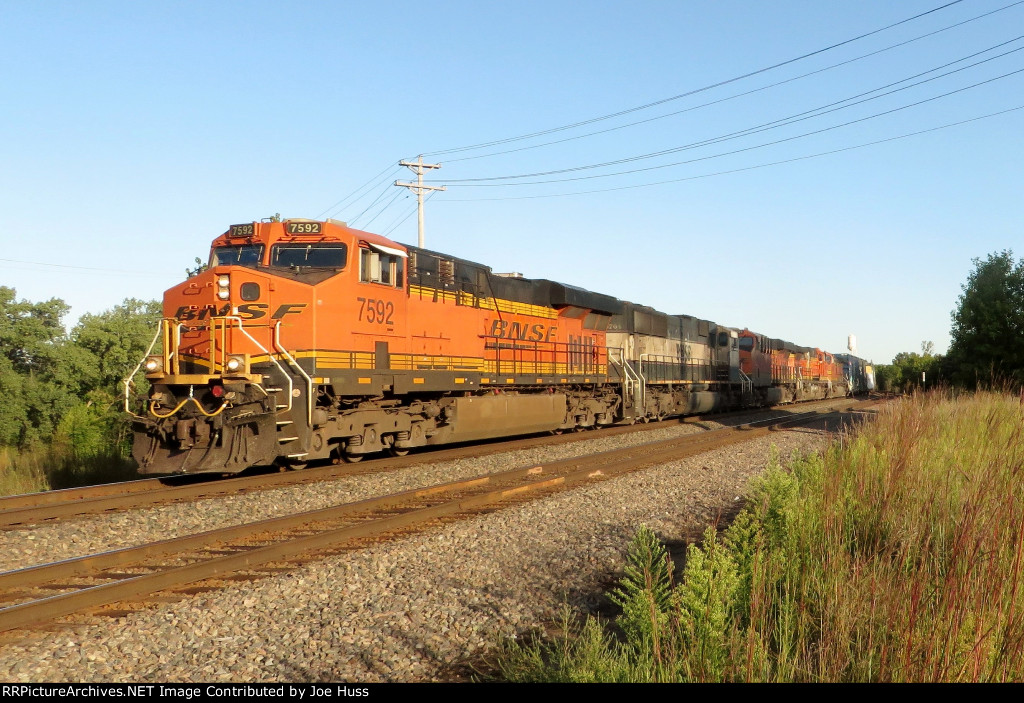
45, 374
904, 373
13, 413
988, 324
32, 347
888, 377
112, 342
30, 333
104, 349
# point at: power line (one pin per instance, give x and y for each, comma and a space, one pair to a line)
468, 183
410, 214
691, 92
381, 211
80, 268
739, 170
383, 192
737, 95
395, 221
381, 183
360, 188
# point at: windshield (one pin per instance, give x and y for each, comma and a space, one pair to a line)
243, 255
319, 255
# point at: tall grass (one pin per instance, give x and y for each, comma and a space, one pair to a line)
18, 474
43, 468
895, 556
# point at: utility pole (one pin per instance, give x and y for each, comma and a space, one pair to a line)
418, 188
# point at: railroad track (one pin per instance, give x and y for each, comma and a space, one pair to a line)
135, 576
19, 511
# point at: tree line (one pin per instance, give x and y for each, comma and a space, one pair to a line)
987, 335
56, 384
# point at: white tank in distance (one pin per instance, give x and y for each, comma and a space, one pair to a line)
851, 343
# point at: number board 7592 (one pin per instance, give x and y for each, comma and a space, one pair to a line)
304, 228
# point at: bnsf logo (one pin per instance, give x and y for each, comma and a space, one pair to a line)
248, 311
522, 331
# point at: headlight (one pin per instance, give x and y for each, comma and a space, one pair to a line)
235, 363
223, 293
223, 281
154, 364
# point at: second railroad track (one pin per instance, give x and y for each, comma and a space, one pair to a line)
131, 576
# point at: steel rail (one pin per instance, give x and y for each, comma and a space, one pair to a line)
16, 511
520, 483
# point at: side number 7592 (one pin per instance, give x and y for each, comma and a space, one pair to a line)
376, 311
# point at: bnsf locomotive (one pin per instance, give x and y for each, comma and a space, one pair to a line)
311, 340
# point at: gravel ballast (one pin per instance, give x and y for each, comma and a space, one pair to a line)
411, 609
89, 534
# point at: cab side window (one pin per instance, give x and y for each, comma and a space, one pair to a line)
385, 269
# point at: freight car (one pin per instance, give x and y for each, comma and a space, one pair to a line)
307, 339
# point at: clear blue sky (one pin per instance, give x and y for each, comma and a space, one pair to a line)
134, 133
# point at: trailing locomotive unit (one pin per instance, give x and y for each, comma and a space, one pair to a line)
307, 340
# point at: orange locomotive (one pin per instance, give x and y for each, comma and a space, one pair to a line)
795, 373
310, 340
305, 340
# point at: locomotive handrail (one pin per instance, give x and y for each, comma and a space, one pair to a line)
643, 382
172, 356
689, 369
678, 366
575, 359
747, 383
128, 381
266, 351
632, 379
640, 370
309, 381
663, 359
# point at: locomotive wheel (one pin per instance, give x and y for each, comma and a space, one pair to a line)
393, 451
340, 456
285, 465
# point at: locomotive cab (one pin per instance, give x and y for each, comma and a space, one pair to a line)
725, 352
755, 360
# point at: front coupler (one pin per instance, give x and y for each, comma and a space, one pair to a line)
195, 439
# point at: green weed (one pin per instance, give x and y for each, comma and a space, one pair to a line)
896, 555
